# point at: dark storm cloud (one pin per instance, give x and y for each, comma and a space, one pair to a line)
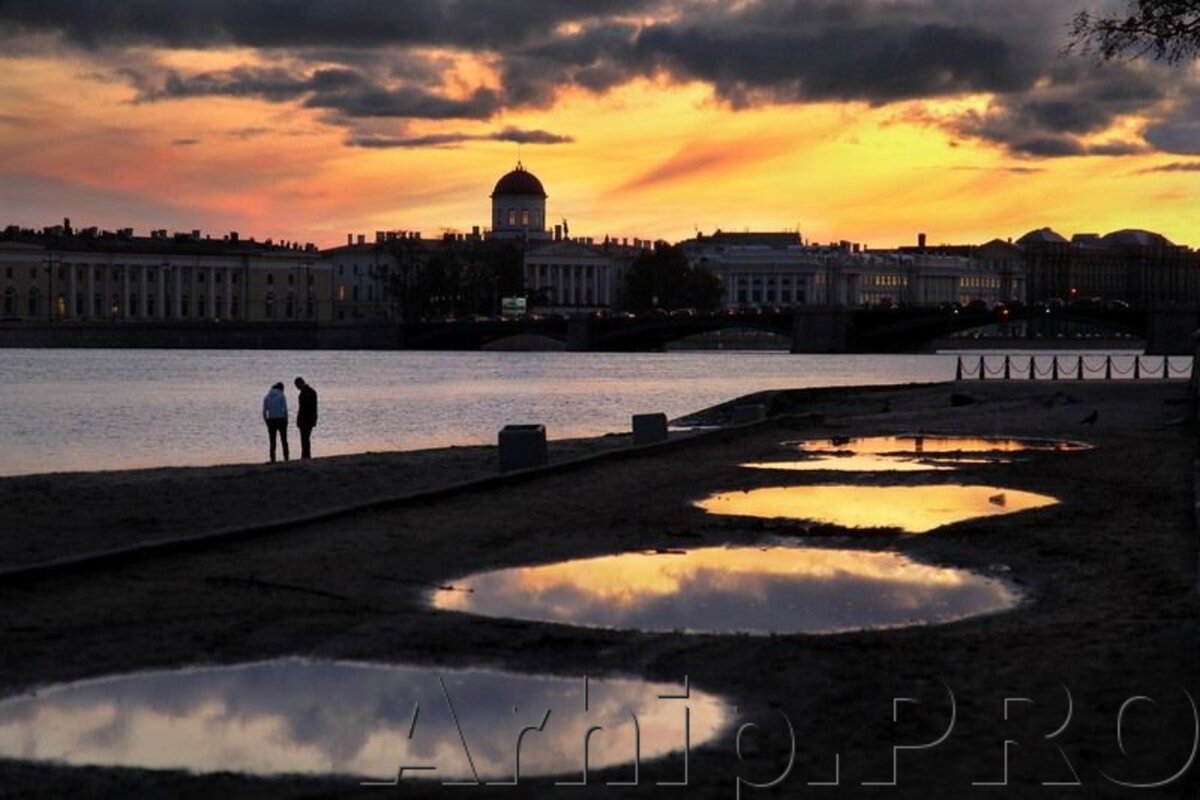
305, 23
1053, 118
515, 135
360, 59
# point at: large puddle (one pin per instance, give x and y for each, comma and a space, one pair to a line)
735, 589
914, 509
361, 720
910, 453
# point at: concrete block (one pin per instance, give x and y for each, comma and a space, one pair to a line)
748, 413
522, 447
649, 428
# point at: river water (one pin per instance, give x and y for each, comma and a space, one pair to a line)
67, 410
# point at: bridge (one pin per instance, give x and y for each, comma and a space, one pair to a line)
816, 329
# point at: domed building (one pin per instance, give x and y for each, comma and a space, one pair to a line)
519, 206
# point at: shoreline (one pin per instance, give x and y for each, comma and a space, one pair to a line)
1109, 576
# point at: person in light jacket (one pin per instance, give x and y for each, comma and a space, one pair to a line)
275, 414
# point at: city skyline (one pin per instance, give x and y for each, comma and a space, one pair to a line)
851, 120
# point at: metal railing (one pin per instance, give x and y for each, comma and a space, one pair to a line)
1081, 367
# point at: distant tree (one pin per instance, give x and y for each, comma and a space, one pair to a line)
1167, 30
663, 278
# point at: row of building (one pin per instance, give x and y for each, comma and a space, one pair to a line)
61, 273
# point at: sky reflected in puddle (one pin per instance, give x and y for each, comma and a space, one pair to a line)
735, 589
361, 720
911, 444
914, 509
858, 463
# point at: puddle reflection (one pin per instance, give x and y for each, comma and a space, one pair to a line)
859, 463
935, 444
914, 509
304, 717
736, 589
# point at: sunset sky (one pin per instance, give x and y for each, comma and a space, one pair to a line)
867, 120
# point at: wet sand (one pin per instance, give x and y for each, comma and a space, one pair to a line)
1110, 576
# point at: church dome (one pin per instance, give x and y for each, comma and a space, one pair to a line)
519, 182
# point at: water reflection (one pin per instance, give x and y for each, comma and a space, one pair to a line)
850, 462
295, 716
735, 589
934, 444
915, 509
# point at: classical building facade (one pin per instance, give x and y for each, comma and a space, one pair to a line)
577, 276
1138, 267
59, 274
781, 270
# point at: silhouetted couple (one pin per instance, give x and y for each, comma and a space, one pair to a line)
275, 414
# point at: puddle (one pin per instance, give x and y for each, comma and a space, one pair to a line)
859, 463
735, 590
914, 509
911, 444
361, 720
909, 453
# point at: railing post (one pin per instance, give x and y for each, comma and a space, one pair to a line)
1079, 372
1033, 368
1054, 369
1108, 368
1007, 369
1137, 367
982, 369
958, 370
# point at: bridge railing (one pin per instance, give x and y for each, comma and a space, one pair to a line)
1081, 367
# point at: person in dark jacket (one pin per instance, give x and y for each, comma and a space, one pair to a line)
275, 414
306, 417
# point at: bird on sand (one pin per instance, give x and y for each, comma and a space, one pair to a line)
1090, 419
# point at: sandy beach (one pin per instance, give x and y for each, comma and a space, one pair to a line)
1109, 578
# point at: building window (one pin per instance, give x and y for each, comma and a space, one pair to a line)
201, 306
114, 305
512, 217
200, 277
33, 302
341, 293
290, 308
234, 279
10, 299
8, 273
354, 293
269, 305
291, 279
525, 217
270, 279
311, 307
